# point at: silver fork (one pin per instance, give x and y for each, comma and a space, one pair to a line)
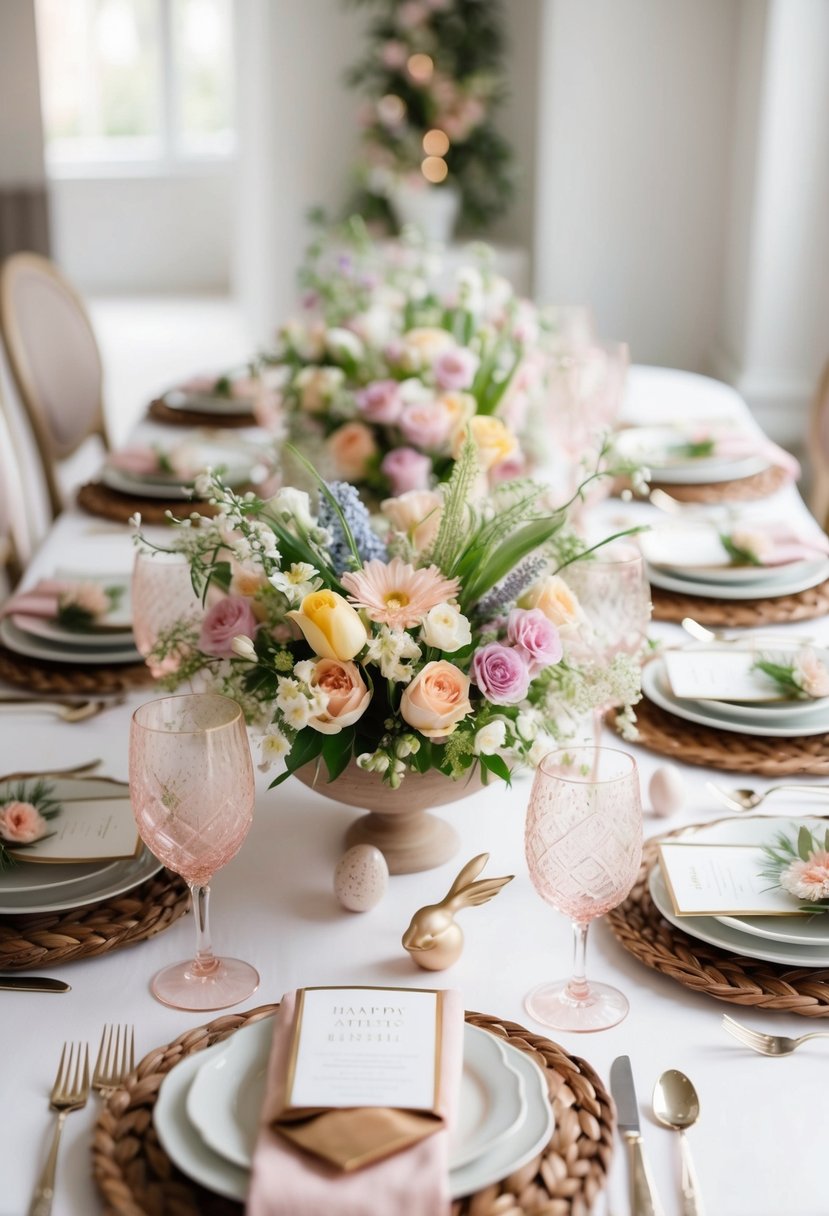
768, 1044
116, 1058
67, 711
70, 1092
747, 800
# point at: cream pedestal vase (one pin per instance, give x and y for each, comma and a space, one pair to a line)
398, 822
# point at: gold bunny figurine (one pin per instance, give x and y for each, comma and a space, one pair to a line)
433, 939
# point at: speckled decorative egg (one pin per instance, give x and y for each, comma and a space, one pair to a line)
361, 878
667, 790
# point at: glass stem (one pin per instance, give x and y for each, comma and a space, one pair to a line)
578, 989
205, 961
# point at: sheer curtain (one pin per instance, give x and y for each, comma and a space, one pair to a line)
24, 220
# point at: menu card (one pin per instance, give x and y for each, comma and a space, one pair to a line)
94, 829
689, 546
719, 674
356, 1047
721, 880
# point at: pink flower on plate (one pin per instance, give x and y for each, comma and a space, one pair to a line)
88, 597
21, 823
406, 469
534, 638
501, 674
808, 879
809, 673
396, 594
426, 424
229, 617
380, 401
456, 368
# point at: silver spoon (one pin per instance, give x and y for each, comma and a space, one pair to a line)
676, 1105
746, 800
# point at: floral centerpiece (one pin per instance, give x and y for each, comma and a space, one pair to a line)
392, 361
444, 639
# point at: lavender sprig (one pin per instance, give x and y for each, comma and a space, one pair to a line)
508, 590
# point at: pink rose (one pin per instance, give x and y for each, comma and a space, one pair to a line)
455, 369
436, 700
534, 638
501, 674
380, 401
393, 54
508, 470
426, 424
406, 470
348, 695
229, 617
21, 823
352, 448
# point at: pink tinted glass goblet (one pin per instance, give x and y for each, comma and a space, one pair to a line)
192, 793
583, 844
162, 597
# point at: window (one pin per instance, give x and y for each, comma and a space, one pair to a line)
135, 82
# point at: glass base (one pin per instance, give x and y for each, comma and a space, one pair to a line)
228, 984
551, 1005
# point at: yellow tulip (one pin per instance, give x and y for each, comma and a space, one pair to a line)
331, 627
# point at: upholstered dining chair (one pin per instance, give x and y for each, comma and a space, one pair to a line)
54, 360
819, 451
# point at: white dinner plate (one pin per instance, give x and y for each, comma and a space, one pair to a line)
30, 887
764, 589
38, 648
781, 709
225, 1098
757, 829
208, 403
649, 445
50, 630
709, 929
656, 688
186, 1148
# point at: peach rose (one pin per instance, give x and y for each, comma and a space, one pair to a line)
416, 513
555, 599
352, 448
21, 823
348, 695
421, 346
436, 700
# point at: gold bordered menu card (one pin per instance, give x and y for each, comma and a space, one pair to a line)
86, 830
721, 880
719, 674
364, 1069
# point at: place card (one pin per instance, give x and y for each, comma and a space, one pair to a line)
719, 674
685, 546
357, 1047
95, 829
721, 880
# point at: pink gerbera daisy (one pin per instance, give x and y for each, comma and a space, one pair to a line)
397, 594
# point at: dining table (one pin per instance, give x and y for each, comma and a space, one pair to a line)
757, 1144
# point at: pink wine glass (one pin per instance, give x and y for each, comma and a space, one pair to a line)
162, 597
192, 793
583, 844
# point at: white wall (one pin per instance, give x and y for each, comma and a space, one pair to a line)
633, 160
132, 234
21, 142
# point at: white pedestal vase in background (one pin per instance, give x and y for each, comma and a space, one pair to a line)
432, 209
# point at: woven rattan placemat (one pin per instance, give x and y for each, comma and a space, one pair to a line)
741, 489
741, 614
638, 925
158, 411
137, 1178
70, 679
713, 747
98, 499
47, 939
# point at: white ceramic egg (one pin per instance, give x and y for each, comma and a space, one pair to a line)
667, 790
361, 878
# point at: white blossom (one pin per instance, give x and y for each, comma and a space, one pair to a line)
490, 738
446, 628
389, 649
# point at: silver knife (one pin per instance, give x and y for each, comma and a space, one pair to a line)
644, 1200
31, 983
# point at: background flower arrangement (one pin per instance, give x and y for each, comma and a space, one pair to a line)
392, 362
444, 639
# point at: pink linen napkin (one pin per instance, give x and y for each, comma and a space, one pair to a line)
138, 460
289, 1182
737, 444
41, 600
789, 546
201, 382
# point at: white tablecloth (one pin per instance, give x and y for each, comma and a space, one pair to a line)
758, 1145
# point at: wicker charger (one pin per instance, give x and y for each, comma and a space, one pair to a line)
70, 679
137, 1178
47, 939
640, 928
692, 743
98, 499
159, 411
739, 614
741, 489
